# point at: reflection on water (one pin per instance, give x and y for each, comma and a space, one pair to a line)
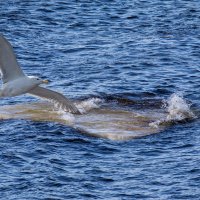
115, 123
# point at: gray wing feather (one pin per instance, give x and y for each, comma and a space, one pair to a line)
56, 98
8, 64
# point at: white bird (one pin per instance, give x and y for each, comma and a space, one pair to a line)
15, 82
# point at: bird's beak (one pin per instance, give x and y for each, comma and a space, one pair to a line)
45, 81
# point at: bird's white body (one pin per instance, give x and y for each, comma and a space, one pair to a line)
15, 81
18, 86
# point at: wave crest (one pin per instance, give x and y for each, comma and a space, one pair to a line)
89, 104
178, 110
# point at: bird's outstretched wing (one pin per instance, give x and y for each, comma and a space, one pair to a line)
9, 66
56, 98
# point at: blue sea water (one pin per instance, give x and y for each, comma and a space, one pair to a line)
133, 53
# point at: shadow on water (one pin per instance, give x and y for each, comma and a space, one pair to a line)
109, 119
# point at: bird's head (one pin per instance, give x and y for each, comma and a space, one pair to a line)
38, 80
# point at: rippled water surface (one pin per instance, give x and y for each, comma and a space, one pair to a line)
134, 68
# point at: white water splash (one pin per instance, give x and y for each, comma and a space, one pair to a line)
177, 110
83, 107
66, 116
89, 104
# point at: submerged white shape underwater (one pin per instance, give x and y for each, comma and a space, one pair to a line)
111, 123
103, 123
15, 82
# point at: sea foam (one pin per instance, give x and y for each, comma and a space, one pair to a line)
89, 104
178, 110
